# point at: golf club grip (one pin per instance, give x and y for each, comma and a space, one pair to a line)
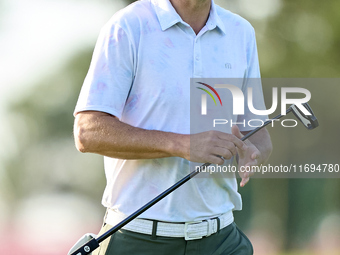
194, 173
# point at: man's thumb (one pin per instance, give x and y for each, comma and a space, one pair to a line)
236, 132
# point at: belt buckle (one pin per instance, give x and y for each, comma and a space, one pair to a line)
187, 235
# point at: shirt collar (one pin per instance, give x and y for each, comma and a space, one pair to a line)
214, 19
166, 13
168, 16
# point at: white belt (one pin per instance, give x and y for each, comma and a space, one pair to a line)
189, 230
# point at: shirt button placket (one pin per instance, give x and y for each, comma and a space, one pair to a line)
197, 59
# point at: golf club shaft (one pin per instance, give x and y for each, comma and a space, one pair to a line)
173, 188
265, 124
144, 208
162, 195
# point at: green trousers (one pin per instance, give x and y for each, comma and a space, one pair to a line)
228, 241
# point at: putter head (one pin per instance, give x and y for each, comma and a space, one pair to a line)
309, 121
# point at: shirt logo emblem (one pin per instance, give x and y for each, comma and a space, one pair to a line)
228, 66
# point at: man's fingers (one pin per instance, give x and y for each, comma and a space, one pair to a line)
208, 145
244, 181
223, 152
255, 155
250, 171
251, 164
213, 159
236, 131
232, 138
225, 149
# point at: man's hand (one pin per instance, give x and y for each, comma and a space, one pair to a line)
102, 133
249, 156
210, 146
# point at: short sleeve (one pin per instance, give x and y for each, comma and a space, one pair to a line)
110, 76
252, 80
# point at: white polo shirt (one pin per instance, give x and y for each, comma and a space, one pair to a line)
140, 72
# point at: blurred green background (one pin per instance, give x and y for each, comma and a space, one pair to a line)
50, 194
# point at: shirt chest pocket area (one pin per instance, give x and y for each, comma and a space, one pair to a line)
225, 64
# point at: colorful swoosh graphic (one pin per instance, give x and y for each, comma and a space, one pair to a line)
212, 89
